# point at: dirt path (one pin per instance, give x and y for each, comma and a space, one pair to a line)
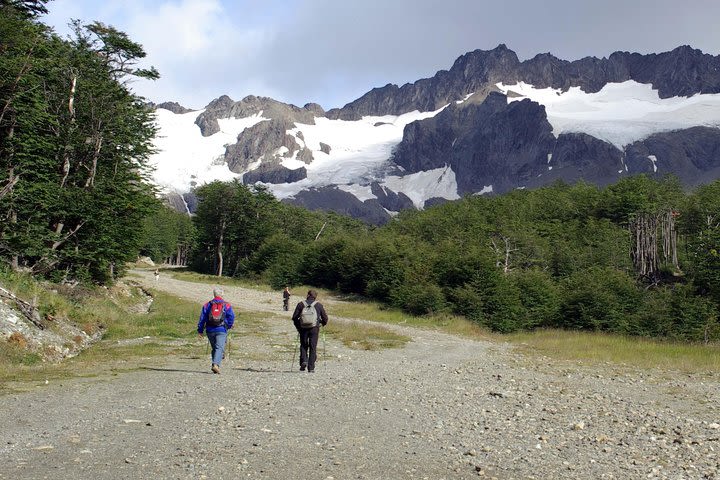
442, 407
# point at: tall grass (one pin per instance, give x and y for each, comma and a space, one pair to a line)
586, 347
595, 347
377, 312
188, 276
366, 337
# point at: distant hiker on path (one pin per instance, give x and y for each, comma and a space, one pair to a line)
157, 275
307, 317
216, 318
286, 299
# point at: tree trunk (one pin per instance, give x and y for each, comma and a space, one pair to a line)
219, 249
71, 110
14, 260
503, 255
12, 178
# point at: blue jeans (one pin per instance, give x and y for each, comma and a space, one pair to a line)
217, 342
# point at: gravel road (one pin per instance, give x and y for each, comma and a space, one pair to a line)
442, 407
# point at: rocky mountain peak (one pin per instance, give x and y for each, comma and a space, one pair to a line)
174, 107
225, 107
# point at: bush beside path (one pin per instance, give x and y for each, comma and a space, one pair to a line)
441, 407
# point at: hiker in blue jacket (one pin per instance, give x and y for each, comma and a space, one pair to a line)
216, 318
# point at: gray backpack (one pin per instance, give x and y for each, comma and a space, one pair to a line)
309, 317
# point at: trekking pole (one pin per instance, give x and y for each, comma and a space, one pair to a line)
295, 351
227, 345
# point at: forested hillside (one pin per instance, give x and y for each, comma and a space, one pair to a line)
74, 142
639, 257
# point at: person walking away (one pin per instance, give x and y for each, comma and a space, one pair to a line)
286, 298
157, 275
216, 318
308, 316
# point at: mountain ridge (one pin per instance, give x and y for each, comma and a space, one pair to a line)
496, 122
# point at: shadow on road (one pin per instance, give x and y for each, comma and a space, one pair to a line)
155, 369
265, 370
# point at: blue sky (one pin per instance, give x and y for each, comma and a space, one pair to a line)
333, 51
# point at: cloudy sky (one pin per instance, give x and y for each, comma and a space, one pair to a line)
333, 51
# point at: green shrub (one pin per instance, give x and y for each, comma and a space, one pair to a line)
419, 298
598, 299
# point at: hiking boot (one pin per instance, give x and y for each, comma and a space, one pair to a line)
215, 368
311, 371
303, 367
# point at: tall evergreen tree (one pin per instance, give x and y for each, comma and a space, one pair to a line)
74, 146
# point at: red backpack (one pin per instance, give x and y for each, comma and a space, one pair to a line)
216, 315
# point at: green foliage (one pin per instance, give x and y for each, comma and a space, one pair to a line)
418, 298
167, 235
600, 298
557, 256
74, 144
279, 257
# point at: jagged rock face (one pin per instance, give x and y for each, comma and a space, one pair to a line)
471, 72
494, 143
692, 154
578, 156
225, 107
173, 107
680, 72
507, 146
331, 198
175, 201
274, 173
260, 141
390, 200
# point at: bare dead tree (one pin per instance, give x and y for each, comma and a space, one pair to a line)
669, 238
321, 230
503, 252
220, 247
646, 231
29, 310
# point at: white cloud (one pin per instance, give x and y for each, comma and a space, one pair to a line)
331, 51
178, 31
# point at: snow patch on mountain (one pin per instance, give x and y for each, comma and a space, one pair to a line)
421, 186
359, 149
359, 152
185, 158
620, 113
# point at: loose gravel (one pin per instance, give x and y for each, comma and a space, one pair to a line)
442, 407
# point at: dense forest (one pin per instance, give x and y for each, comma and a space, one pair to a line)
74, 144
640, 257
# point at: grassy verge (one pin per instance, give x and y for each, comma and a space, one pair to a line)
586, 347
376, 312
365, 337
128, 338
188, 276
592, 347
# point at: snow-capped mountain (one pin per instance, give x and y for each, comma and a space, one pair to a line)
488, 125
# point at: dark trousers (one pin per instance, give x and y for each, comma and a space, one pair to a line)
309, 341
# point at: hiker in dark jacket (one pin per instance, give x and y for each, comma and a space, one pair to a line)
286, 299
308, 316
216, 318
